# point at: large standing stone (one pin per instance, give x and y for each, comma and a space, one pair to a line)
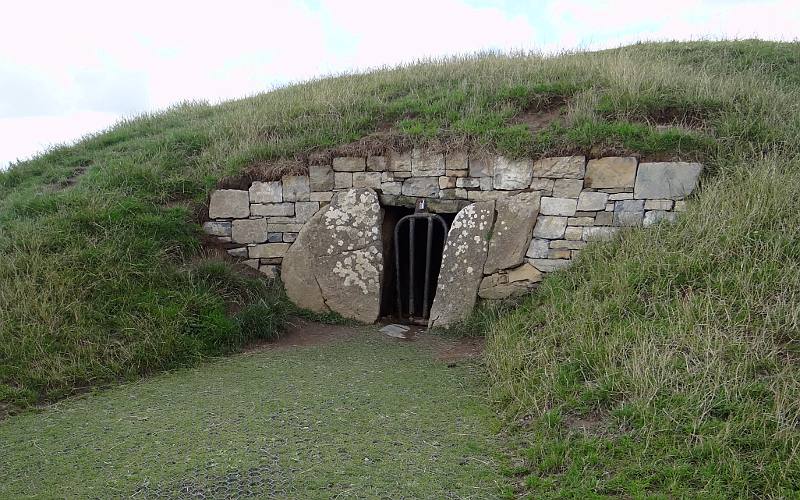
462, 264
512, 231
561, 167
611, 172
266, 192
336, 263
512, 174
425, 164
668, 180
229, 204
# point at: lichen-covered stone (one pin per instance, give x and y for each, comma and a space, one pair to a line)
611, 172
320, 178
229, 204
463, 260
424, 164
349, 164
558, 206
550, 227
516, 216
266, 192
427, 187
512, 174
666, 180
563, 167
249, 231
295, 188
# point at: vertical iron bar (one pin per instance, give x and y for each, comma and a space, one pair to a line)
429, 249
397, 269
411, 308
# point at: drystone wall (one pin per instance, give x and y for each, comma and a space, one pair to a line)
516, 220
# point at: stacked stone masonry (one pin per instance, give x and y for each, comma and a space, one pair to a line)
545, 211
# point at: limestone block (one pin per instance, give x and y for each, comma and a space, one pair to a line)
295, 188
511, 235
656, 216
667, 180
217, 228
456, 173
268, 250
229, 204
272, 209
658, 204
611, 172
563, 167
447, 182
251, 263
512, 174
425, 164
304, 210
549, 265
567, 188
589, 200
491, 289
266, 192
550, 227
320, 178
489, 195
421, 187
349, 164
249, 231
456, 160
599, 233
537, 249
377, 163
343, 180
628, 212
446, 206
367, 180
558, 206
400, 162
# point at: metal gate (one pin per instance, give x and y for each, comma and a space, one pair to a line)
421, 216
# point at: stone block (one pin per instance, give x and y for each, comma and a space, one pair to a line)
489, 195
563, 167
558, 206
611, 172
367, 180
656, 216
349, 164
304, 210
620, 196
343, 180
549, 227
217, 228
481, 167
549, 265
604, 218
658, 204
581, 221
274, 237
425, 164
320, 178
447, 182
400, 162
524, 272
456, 160
275, 227
589, 200
266, 192
546, 186
666, 180
468, 182
377, 163
229, 204
576, 244
538, 249
567, 188
456, 173
559, 253
573, 233
391, 187
268, 250
487, 184
446, 206
289, 237
427, 187
272, 209
251, 263
628, 212
515, 217
295, 188
512, 174
599, 233
322, 197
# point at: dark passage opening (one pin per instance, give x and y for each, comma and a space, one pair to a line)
410, 302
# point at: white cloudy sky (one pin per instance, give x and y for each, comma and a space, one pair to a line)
69, 68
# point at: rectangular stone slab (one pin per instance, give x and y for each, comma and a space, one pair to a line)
666, 180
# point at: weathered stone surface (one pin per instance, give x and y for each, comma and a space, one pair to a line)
283, 227
217, 228
425, 164
524, 272
546, 186
589, 200
251, 263
320, 178
272, 209
537, 249
463, 260
295, 188
249, 231
513, 225
336, 263
567, 244
496, 287
567, 188
392, 187
666, 180
604, 218
487, 183
447, 182
468, 182
304, 210
266, 192
377, 163
658, 204
549, 265
271, 271
558, 206
620, 196
512, 174
656, 216
240, 252
604, 233
274, 237
229, 204
367, 180
481, 167
581, 221
421, 187
343, 180
400, 162
289, 237
611, 172
349, 164
321, 197
550, 227
572, 233
559, 253
563, 167
456, 160
628, 212
267, 250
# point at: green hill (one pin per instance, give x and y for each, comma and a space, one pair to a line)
676, 353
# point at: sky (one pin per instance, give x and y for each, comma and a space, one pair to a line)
72, 68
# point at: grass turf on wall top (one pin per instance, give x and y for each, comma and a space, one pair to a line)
678, 345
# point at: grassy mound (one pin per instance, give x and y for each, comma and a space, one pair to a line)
677, 346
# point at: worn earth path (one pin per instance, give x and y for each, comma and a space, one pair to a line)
328, 411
